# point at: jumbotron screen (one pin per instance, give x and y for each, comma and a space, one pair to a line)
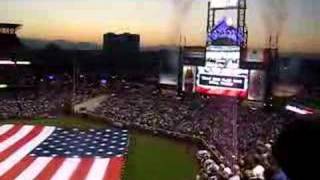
221, 74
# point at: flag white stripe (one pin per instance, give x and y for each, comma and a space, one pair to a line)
5, 128
35, 168
15, 137
65, 171
98, 169
17, 156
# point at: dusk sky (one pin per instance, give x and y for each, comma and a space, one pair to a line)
158, 21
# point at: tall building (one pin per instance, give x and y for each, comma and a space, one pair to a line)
121, 43
122, 52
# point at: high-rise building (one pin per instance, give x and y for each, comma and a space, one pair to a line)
122, 52
121, 43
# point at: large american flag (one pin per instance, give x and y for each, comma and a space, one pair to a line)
42, 152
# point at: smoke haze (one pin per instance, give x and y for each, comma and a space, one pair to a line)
181, 9
275, 16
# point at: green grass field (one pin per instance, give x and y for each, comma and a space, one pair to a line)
155, 158
150, 158
314, 104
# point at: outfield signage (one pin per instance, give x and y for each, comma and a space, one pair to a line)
222, 81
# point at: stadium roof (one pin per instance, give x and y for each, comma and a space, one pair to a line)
9, 25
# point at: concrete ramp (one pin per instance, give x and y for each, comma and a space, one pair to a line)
89, 105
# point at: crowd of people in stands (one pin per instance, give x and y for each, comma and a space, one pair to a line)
47, 98
26, 104
238, 137
236, 140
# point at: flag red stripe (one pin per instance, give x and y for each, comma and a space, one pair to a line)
17, 169
114, 169
10, 133
33, 133
83, 169
50, 169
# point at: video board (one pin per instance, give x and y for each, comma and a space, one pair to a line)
223, 57
221, 74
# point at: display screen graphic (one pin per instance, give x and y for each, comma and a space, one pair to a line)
221, 74
223, 81
225, 34
223, 57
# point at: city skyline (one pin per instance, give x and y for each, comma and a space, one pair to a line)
158, 22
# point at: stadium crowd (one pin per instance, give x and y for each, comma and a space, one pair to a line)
236, 140
46, 98
239, 138
27, 104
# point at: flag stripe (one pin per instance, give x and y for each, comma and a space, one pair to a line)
18, 168
82, 170
15, 137
5, 128
9, 132
35, 168
98, 169
67, 168
33, 133
18, 155
50, 169
114, 169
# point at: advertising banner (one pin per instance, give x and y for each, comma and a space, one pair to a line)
189, 78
